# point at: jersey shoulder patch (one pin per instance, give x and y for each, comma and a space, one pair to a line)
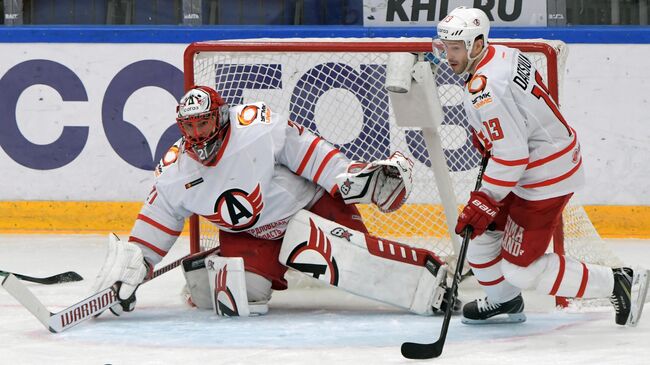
480, 95
247, 115
169, 158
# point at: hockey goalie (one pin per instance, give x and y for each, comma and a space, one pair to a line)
281, 197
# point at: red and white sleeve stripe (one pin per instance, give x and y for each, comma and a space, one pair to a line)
155, 230
312, 157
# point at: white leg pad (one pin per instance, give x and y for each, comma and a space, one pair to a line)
371, 267
228, 287
197, 288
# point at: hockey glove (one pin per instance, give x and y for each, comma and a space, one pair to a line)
479, 212
125, 269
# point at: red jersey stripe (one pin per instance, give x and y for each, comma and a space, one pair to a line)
148, 245
485, 265
491, 283
327, 159
554, 156
161, 227
498, 182
554, 180
334, 190
307, 156
583, 283
523, 161
487, 58
560, 276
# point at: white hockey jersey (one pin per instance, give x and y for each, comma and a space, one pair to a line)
266, 170
535, 153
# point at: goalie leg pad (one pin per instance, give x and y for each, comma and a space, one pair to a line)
390, 272
196, 278
228, 287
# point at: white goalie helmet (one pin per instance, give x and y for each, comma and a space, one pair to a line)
464, 24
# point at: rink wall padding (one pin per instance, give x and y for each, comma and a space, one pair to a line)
188, 34
103, 217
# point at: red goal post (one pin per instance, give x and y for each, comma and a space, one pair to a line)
335, 88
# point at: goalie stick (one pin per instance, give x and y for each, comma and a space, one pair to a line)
76, 313
65, 277
412, 350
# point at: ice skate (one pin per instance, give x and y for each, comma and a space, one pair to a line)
481, 311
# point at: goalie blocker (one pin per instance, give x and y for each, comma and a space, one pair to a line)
375, 268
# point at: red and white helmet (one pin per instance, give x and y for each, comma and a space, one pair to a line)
465, 24
202, 116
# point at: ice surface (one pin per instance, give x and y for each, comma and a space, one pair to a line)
305, 326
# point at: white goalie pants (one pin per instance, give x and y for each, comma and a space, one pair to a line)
550, 274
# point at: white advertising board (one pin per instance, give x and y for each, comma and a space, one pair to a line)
84, 121
427, 13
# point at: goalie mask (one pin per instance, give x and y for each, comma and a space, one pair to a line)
202, 116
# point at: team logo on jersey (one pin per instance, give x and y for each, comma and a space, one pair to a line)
346, 186
575, 157
481, 100
237, 210
225, 303
341, 233
258, 112
168, 159
314, 256
477, 84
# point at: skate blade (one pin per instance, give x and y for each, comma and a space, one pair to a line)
499, 319
639, 293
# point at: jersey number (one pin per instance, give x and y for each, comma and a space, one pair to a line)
540, 91
493, 128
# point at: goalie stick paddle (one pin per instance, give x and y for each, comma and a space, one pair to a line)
412, 350
76, 313
65, 277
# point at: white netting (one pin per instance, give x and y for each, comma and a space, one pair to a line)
339, 94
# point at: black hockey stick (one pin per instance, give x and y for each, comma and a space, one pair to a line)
65, 277
412, 350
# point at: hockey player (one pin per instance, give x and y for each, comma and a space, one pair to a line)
535, 167
280, 196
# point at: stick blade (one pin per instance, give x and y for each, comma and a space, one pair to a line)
420, 351
24, 296
70, 276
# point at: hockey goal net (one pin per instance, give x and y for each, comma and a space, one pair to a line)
336, 89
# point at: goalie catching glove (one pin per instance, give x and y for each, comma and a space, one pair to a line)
386, 183
124, 269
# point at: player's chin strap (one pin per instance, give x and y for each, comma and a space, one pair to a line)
375, 268
471, 60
